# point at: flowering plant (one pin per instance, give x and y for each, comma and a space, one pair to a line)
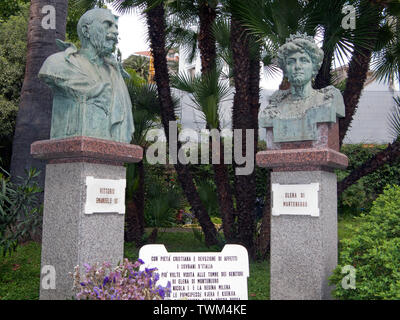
124, 282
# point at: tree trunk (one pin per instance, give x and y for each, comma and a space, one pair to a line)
156, 26
135, 211
225, 201
207, 47
389, 155
263, 241
357, 72
323, 78
206, 39
356, 76
243, 118
34, 114
285, 84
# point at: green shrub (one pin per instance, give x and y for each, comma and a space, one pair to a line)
8, 114
374, 252
20, 212
163, 197
359, 197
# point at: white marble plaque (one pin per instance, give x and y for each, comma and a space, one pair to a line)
105, 195
295, 199
200, 275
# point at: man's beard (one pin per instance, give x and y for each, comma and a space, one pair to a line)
103, 44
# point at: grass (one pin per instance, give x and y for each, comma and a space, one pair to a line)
20, 272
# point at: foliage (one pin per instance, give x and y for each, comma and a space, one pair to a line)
386, 60
20, 212
138, 63
358, 198
207, 92
163, 197
125, 282
8, 115
145, 109
11, 8
208, 195
13, 39
374, 252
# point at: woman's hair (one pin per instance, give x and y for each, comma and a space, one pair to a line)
300, 43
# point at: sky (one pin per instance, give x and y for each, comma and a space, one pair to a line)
132, 33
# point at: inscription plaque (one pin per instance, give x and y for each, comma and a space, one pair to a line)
200, 275
105, 195
295, 199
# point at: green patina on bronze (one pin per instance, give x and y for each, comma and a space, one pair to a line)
293, 114
90, 95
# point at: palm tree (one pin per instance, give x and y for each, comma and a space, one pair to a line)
244, 116
145, 110
156, 24
208, 92
34, 114
138, 63
185, 14
205, 14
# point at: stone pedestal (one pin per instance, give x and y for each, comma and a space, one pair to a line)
304, 248
71, 236
303, 245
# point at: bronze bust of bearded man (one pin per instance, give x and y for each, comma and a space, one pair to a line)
90, 96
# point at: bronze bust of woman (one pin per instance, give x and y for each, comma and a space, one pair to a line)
294, 113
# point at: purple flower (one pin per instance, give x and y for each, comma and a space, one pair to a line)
105, 281
161, 292
129, 283
87, 267
141, 261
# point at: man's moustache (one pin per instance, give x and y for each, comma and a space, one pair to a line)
112, 38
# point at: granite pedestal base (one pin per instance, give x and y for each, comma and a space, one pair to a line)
72, 237
304, 248
303, 244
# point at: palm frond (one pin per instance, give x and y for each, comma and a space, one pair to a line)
131, 6
84, 5
221, 30
145, 109
207, 93
271, 70
208, 196
386, 62
183, 12
184, 37
185, 82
